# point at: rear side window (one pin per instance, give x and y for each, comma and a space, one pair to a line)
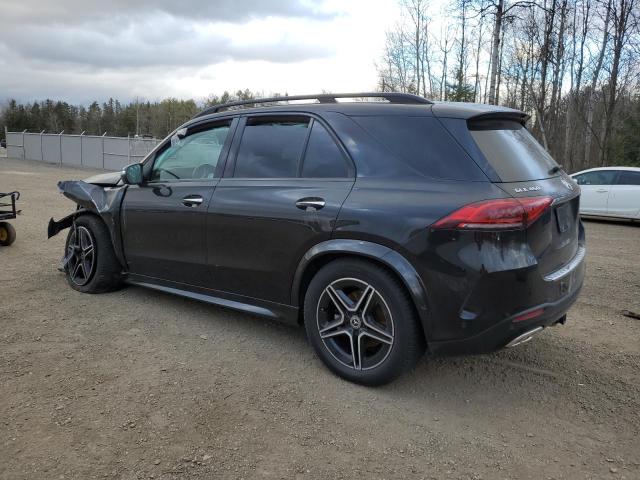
598, 177
271, 148
323, 158
628, 177
512, 151
421, 144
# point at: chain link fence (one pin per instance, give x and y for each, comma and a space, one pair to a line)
108, 153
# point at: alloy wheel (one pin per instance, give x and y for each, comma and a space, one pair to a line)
81, 258
355, 323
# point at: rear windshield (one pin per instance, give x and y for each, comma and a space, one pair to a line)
512, 151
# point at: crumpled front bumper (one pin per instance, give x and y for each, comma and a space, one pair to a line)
102, 201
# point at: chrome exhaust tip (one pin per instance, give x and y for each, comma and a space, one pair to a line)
524, 338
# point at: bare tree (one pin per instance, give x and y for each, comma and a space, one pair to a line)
576, 70
594, 83
574, 65
416, 10
445, 48
624, 22
500, 12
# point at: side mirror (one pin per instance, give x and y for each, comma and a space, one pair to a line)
132, 174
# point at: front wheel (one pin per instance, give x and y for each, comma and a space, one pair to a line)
361, 322
91, 265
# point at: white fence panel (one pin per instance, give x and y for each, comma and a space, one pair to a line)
50, 149
110, 153
15, 147
140, 147
92, 151
116, 153
71, 150
32, 147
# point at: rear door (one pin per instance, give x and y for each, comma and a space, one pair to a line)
624, 197
595, 187
283, 187
164, 218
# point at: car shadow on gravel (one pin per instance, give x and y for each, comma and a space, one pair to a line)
549, 371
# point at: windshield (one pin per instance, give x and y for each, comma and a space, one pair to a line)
512, 151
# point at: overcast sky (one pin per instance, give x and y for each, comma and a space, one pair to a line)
80, 50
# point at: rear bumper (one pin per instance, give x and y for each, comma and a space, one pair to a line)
561, 287
500, 334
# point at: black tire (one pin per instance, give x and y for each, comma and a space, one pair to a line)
7, 234
102, 271
379, 361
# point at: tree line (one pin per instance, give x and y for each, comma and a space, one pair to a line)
112, 117
573, 65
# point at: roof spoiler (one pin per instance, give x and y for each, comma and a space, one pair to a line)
492, 120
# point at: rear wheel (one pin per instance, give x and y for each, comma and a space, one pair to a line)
361, 322
7, 234
91, 265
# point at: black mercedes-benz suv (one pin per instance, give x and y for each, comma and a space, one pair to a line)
385, 223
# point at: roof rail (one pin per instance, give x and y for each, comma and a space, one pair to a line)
391, 97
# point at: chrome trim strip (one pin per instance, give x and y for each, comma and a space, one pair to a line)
575, 261
245, 307
317, 204
524, 338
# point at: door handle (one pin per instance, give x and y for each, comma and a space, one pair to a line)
602, 190
192, 200
310, 203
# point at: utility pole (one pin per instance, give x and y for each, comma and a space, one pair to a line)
137, 117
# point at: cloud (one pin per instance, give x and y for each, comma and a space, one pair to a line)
81, 50
123, 34
70, 12
160, 41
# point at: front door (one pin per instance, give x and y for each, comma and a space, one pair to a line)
163, 220
285, 182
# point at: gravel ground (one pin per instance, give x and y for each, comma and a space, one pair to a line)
141, 384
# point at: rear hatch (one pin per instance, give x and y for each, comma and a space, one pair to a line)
512, 158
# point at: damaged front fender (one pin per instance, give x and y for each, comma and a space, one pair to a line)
90, 196
103, 201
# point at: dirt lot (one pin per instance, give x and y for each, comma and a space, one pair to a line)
140, 384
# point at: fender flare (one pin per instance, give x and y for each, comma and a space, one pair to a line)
387, 256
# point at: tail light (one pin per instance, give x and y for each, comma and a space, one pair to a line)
498, 214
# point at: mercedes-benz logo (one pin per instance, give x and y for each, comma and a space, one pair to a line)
355, 321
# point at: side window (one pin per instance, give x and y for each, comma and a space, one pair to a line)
598, 177
418, 147
191, 158
628, 177
271, 147
323, 158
